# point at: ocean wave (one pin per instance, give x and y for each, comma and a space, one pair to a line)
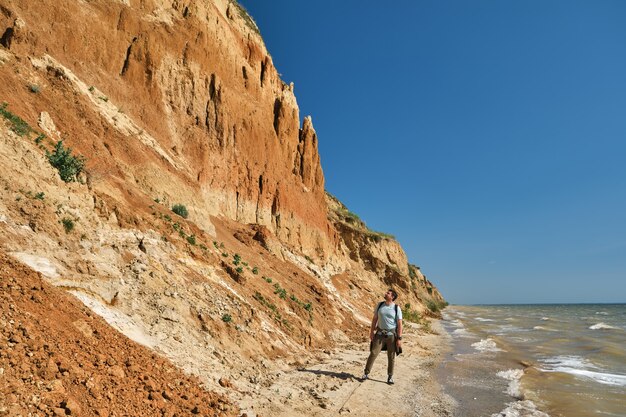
514, 376
602, 313
521, 409
486, 345
545, 318
482, 319
462, 333
544, 328
456, 323
577, 366
602, 326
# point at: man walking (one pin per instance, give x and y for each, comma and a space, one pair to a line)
386, 329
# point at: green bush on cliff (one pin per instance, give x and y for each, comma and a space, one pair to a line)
410, 315
181, 210
68, 165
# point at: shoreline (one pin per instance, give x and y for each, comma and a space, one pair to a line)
332, 386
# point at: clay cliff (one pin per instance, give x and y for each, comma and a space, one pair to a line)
164, 105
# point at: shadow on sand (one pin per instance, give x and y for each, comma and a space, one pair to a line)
340, 375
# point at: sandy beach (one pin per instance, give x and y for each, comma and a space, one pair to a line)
332, 385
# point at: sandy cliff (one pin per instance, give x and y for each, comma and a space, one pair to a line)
178, 102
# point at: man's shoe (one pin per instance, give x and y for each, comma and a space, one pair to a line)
390, 380
364, 377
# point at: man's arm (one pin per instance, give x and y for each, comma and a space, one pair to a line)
399, 332
373, 327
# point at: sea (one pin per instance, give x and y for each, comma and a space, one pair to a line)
536, 360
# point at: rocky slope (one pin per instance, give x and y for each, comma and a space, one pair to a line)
177, 102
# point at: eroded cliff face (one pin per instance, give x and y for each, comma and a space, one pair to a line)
178, 102
188, 107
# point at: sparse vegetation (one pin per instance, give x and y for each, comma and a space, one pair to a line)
236, 259
268, 280
39, 196
68, 224
255, 270
18, 125
227, 318
282, 293
308, 258
181, 210
225, 255
68, 165
410, 315
191, 239
34, 88
239, 270
40, 138
243, 13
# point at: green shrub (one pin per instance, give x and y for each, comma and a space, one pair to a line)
432, 306
225, 255
308, 307
268, 279
239, 270
68, 224
34, 88
40, 138
39, 196
69, 166
181, 210
236, 259
255, 270
282, 293
410, 315
227, 318
191, 239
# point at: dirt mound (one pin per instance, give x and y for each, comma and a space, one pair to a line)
58, 358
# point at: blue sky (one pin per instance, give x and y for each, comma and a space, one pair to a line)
488, 136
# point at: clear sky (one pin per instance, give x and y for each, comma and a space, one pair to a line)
488, 136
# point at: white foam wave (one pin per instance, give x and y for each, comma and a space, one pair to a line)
602, 313
462, 333
514, 376
521, 409
545, 318
483, 319
456, 323
602, 326
486, 345
600, 377
544, 328
580, 367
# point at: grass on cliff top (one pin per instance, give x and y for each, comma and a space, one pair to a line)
339, 212
247, 18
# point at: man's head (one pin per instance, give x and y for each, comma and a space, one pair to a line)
391, 294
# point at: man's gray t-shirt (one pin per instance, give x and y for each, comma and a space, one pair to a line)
387, 316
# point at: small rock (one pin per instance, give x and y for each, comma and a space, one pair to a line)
102, 412
225, 383
71, 407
